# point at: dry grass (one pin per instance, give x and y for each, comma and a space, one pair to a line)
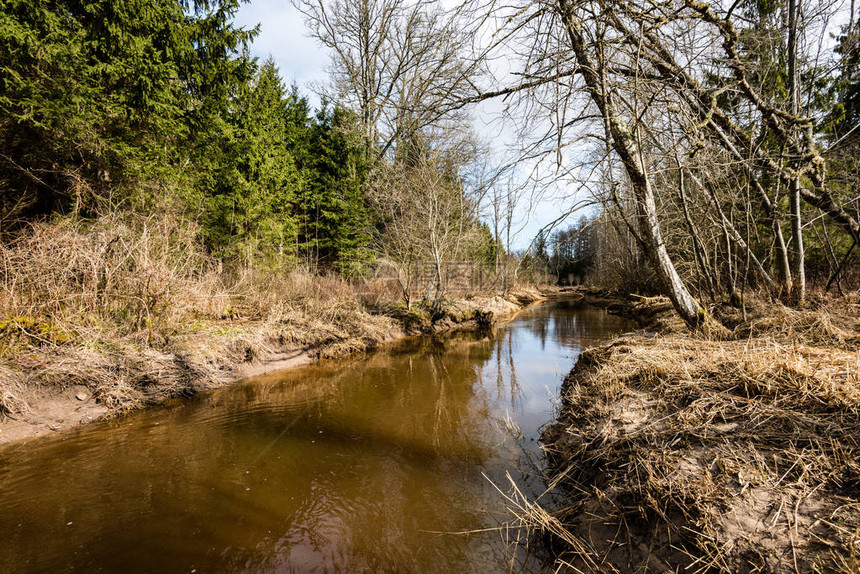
12, 394
714, 456
133, 309
830, 323
124, 276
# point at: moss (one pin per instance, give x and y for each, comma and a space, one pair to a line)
33, 331
418, 315
228, 331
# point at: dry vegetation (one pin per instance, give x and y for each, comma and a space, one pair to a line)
129, 312
678, 453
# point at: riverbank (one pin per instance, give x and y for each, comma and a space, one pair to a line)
679, 452
51, 386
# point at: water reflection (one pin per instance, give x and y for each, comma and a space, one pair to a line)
352, 466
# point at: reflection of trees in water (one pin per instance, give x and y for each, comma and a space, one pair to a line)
440, 413
504, 370
515, 390
347, 464
359, 460
572, 324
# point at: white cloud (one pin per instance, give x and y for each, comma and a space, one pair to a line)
284, 37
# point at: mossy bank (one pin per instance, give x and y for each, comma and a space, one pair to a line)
54, 383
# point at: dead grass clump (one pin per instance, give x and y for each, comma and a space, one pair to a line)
119, 395
318, 311
12, 399
147, 279
733, 456
118, 274
837, 326
378, 293
656, 313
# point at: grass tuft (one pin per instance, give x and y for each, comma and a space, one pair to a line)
680, 452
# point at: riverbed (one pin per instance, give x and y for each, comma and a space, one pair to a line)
387, 462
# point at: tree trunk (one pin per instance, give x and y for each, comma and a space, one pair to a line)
625, 146
698, 252
799, 292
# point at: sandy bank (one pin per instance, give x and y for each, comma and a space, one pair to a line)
57, 388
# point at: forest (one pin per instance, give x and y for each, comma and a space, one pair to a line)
729, 146
714, 151
170, 208
128, 109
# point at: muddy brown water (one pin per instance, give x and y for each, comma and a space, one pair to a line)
376, 463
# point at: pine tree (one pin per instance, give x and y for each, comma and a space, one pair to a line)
336, 223
99, 96
248, 212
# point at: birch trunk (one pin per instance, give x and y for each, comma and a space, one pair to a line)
628, 151
799, 292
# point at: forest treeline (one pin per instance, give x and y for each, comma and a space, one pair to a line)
724, 149
145, 106
716, 145
137, 108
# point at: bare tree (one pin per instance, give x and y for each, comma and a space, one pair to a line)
430, 219
671, 93
400, 63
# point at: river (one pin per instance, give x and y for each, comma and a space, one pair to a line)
386, 462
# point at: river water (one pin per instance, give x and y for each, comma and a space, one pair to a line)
387, 462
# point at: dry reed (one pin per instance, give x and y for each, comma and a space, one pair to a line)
679, 452
135, 310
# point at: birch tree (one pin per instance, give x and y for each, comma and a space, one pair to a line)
664, 88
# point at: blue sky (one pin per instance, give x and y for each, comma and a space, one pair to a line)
284, 37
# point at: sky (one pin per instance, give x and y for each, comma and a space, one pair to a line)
301, 60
